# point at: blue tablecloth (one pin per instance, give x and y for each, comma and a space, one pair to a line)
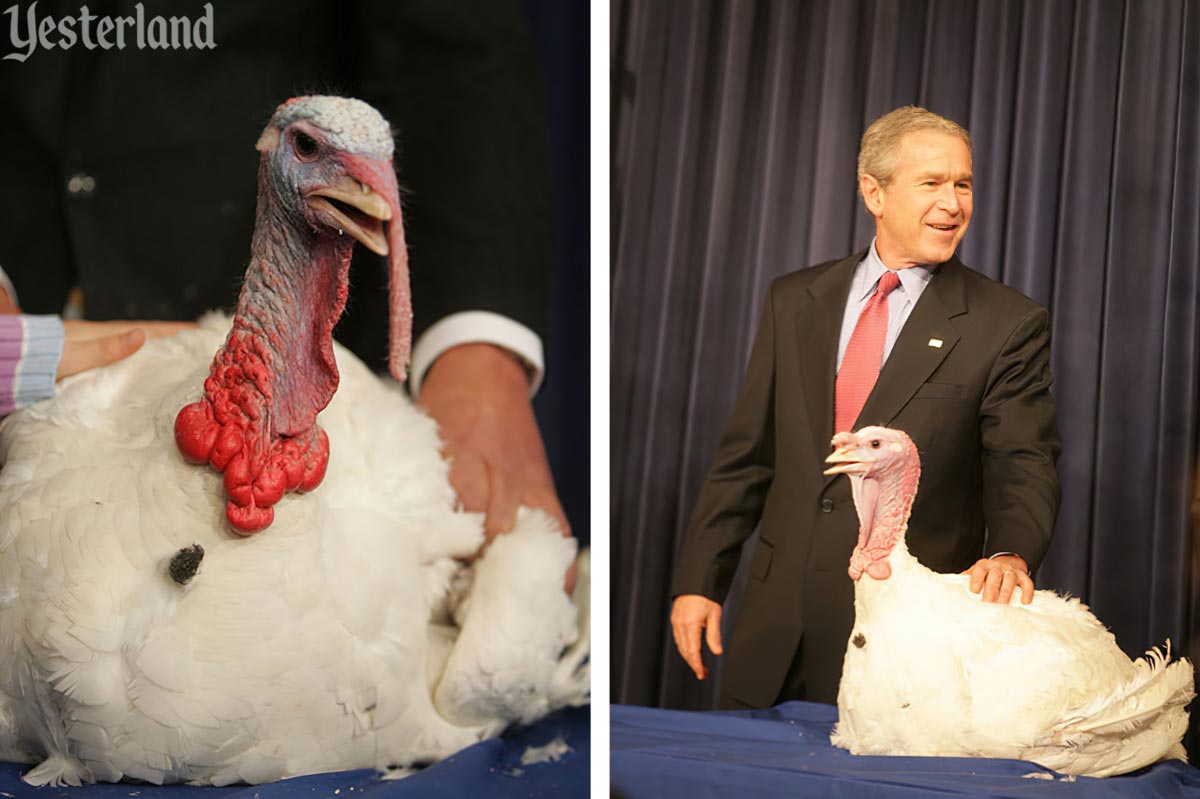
785, 752
490, 769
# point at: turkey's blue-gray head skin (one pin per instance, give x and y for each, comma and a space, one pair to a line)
329, 163
317, 151
351, 125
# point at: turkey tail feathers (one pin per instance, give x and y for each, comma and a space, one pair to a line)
58, 771
1138, 723
1156, 686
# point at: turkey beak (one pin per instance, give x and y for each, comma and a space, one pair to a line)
845, 461
355, 208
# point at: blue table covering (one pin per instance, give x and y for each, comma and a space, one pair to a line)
785, 751
490, 769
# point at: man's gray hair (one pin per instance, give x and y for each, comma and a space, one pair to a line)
879, 150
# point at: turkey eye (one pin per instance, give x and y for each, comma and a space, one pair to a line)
306, 147
875, 444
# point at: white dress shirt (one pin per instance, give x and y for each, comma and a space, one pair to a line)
901, 301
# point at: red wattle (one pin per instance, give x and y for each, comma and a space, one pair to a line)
227, 429
194, 433
248, 520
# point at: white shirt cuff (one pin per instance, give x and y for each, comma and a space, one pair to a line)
476, 327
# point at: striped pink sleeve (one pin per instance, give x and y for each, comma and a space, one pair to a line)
30, 349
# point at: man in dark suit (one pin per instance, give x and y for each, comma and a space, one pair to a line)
965, 372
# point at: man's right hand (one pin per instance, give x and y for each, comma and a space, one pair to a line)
690, 614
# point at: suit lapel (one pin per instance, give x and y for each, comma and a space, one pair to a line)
913, 358
818, 328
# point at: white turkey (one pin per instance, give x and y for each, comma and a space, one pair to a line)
932, 670
147, 634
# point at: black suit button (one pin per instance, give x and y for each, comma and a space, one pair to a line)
827, 506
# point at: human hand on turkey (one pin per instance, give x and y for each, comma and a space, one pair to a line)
479, 396
88, 345
6, 303
91, 344
999, 576
689, 614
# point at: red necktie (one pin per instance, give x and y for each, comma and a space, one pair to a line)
864, 356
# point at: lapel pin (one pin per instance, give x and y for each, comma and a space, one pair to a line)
935, 342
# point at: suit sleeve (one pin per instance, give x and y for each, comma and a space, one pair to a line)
1020, 444
734, 492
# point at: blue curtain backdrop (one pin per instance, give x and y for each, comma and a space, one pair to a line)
734, 134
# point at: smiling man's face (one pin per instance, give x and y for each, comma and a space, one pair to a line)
922, 214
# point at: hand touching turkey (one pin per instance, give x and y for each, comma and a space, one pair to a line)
479, 396
87, 345
92, 344
999, 576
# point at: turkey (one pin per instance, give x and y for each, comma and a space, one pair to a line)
932, 670
165, 622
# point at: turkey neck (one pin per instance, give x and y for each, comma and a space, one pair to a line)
294, 293
884, 503
257, 421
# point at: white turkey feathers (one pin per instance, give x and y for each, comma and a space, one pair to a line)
932, 670
326, 642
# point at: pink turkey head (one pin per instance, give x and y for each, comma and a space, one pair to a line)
884, 470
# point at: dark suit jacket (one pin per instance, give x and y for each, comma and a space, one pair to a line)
979, 409
168, 136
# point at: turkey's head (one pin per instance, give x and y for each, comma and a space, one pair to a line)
884, 470
325, 181
327, 161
